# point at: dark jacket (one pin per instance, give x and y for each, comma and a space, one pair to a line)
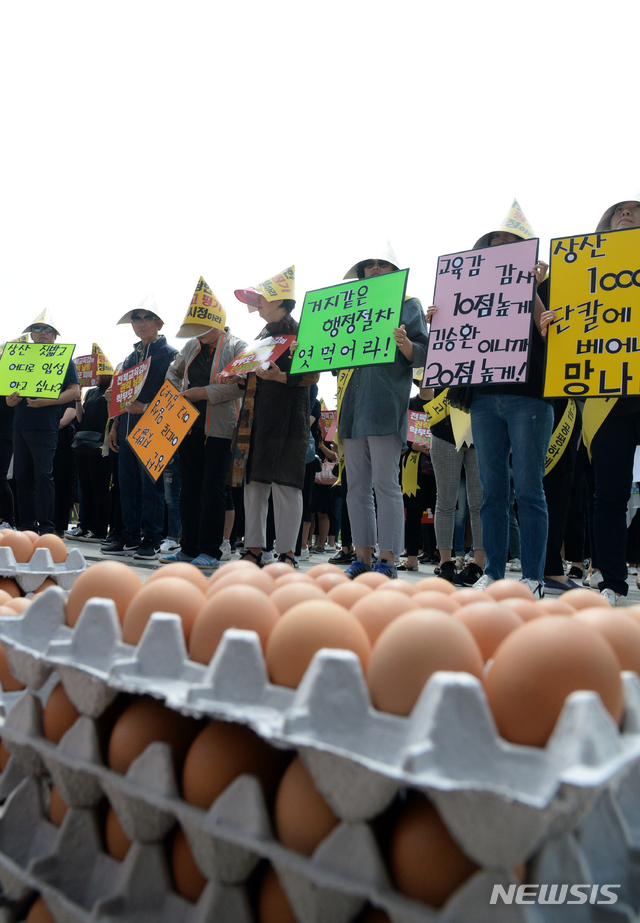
162, 355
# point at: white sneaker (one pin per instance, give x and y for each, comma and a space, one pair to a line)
594, 578
304, 554
536, 588
632, 569
170, 546
515, 566
613, 598
225, 550
483, 582
268, 557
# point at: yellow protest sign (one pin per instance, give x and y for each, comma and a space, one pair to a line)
593, 347
161, 429
34, 369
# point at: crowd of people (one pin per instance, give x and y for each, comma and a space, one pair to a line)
256, 466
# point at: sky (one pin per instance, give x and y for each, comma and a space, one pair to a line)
146, 144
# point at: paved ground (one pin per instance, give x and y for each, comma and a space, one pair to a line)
92, 554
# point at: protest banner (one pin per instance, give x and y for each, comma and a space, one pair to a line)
593, 348
161, 429
86, 369
127, 385
418, 429
34, 369
481, 331
328, 424
258, 353
351, 324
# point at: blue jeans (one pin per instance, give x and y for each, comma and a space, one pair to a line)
141, 498
503, 422
172, 487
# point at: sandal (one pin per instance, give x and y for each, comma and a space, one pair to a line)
257, 558
406, 566
285, 558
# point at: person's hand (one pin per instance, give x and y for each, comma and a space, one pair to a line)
195, 394
136, 407
331, 455
223, 378
400, 336
13, 399
272, 373
540, 271
431, 310
37, 402
293, 348
112, 440
546, 318
108, 393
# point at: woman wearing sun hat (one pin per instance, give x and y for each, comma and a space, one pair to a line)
273, 430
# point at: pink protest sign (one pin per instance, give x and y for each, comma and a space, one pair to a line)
481, 331
126, 387
328, 423
258, 353
418, 430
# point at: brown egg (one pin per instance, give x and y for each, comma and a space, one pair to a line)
324, 568
184, 570
19, 544
256, 577
32, 536
188, 879
173, 594
106, 580
346, 594
220, 753
279, 569
527, 609
405, 586
439, 584
329, 580
503, 589
430, 599
294, 576
554, 606
538, 665
4, 756
57, 807
305, 629
46, 583
233, 567
302, 817
4, 597
144, 721
410, 650
17, 605
39, 913
583, 598
273, 903
426, 862
59, 714
468, 595
116, 840
489, 623
284, 597
232, 606
9, 586
56, 546
375, 610
622, 633
372, 579
8, 681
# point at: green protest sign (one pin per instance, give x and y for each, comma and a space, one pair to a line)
34, 369
351, 324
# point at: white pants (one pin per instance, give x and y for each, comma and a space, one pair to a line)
373, 463
287, 512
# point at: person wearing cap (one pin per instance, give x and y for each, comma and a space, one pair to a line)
273, 430
372, 428
36, 423
205, 452
141, 498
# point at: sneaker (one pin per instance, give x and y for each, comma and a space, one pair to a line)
483, 582
205, 562
6, 525
343, 557
557, 587
225, 550
331, 549
175, 558
111, 537
593, 579
317, 549
75, 533
447, 571
304, 554
388, 568
536, 588
169, 545
120, 547
469, 575
613, 598
356, 568
147, 551
515, 566
268, 557
632, 570
90, 537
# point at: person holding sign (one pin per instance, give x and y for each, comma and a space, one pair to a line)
373, 404
36, 423
273, 430
205, 452
141, 498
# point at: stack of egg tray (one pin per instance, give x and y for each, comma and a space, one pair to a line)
32, 575
571, 809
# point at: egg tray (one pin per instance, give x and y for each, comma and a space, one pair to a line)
32, 575
500, 801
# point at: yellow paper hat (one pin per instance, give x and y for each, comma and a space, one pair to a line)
605, 221
515, 222
148, 306
103, 366
23, 338
205, 313
44, 317
376, 253
273, 289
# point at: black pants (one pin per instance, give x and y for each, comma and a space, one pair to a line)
94, 474
203, 498
34, 450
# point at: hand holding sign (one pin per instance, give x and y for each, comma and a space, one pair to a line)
161, 429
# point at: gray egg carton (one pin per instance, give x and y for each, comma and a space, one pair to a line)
31, 575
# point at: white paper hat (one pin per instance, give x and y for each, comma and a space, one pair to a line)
376, 253
44, 317
147, 306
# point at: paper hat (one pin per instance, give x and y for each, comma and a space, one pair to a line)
280, 286
103, 366
23, 338
147, 306
514, 222
205, 313
44, 317
376, 253
605, 221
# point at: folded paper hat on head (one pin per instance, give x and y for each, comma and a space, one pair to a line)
44, 317
280, 286
204, 314
605, 222
147, 306
103, 367
379, 253
514, 222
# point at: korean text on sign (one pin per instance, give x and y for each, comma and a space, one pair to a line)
418, 429
350, 324
328, 424
161, 429
593, 347
205, 306
34, 369
481, 331
258, 353
127, 385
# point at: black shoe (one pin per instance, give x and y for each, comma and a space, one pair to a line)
448, 571
148, 551
468, 575
111, 537
119, 547
343, 557
428, 558
576, 573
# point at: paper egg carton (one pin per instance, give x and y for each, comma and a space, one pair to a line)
31, 575
500, 801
